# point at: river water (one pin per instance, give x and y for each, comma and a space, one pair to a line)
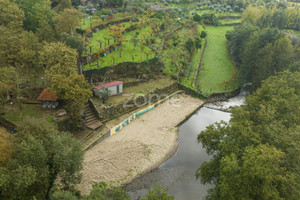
178, 173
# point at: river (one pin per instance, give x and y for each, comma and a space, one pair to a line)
178, 173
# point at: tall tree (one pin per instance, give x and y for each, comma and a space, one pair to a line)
61, 5
58, 59
6, 146
35, 11
11, 16
75, 91
42, 157
67, 21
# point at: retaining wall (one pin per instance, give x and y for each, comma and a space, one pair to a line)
132, 104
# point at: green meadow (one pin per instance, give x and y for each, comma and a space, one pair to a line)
217, 72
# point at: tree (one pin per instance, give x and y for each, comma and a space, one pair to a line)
7, 76
197, 18
75, 91
203, 34
73, 42
63, 195
35, 11
46, 31
6, 146
101, 191
11, 15
43, 156
189, 44
58, 59
238, 38
75, 3
19, 49
105, 93
116, 31
158, 193
267, 180
260, 146
67, 21
61, 5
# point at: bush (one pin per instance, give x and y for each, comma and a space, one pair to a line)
197, 18
203, 34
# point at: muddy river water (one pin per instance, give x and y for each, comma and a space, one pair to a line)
178, 173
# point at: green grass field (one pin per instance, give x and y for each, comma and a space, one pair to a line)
12, 112
217, 72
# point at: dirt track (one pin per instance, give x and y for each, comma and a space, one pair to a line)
138, 148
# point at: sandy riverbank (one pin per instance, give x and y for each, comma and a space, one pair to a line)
138, 148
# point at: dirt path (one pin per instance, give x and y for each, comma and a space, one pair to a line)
138, 148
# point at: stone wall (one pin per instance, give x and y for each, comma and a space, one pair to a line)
191, 92
125, 69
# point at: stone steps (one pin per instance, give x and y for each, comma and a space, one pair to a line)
91, 119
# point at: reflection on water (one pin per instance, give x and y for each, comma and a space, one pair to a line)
178, 173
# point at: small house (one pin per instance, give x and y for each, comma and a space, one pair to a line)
115, 87
49, 99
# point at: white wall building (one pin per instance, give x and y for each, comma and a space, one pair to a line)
115, 87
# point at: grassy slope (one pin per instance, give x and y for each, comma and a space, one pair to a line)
217, 70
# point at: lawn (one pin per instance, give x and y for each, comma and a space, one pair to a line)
12, 112
217, 72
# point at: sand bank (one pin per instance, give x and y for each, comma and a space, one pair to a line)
138, 148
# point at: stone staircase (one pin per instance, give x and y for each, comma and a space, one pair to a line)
92, 122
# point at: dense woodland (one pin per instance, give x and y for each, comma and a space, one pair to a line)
255, 156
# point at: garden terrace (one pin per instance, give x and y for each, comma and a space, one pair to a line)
103, 36
132, 49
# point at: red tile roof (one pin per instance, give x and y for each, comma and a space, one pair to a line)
10, 85
106, 85
47, 96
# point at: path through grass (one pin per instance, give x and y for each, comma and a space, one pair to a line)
217, 72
